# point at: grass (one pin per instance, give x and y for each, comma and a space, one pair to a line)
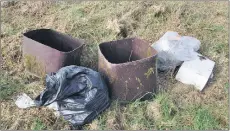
34, 66
8, 87
204, 120
38, 125
177, 106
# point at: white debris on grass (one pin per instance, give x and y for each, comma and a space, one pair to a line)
173, 49
24, 101
196, 72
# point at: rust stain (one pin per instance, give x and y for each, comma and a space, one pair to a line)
149, 72
139, 81
149, 52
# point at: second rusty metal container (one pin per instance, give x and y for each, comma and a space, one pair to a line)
129, 68
46, 51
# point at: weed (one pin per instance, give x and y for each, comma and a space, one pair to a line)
38, 125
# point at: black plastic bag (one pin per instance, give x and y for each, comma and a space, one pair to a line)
81, 94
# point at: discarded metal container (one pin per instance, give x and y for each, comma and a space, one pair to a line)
46, 51
129, 68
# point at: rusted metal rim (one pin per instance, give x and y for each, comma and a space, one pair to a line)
127, 63
80, 40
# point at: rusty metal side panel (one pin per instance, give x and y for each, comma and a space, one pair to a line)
39, 58
135, 80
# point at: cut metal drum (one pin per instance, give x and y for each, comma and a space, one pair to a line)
129, 68
46, 51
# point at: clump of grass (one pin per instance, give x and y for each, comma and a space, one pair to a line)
38, 125
198, 118
168, 111
204, 120
33, 66
167, 106
8, 87
135, 116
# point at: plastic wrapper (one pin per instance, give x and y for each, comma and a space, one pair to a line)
173, 49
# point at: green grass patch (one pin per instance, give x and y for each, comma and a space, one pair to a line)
198, 118
168, 108
216, 28
227, 86
8, 87
38, 125
204, 120
135, 116
220, 47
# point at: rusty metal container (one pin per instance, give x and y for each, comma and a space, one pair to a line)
129, 68
46, 51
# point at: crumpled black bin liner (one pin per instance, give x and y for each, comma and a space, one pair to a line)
81, 94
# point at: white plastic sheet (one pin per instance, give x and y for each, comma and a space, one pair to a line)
24, 101
196, 72
173, 49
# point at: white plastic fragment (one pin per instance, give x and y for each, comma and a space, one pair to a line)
53, 106
24, 101
196, 72
173, 49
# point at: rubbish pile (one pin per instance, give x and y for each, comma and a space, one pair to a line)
127, 71
175, 50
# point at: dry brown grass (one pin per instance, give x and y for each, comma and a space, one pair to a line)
153, 111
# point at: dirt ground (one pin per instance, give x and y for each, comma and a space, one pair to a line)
178, 106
